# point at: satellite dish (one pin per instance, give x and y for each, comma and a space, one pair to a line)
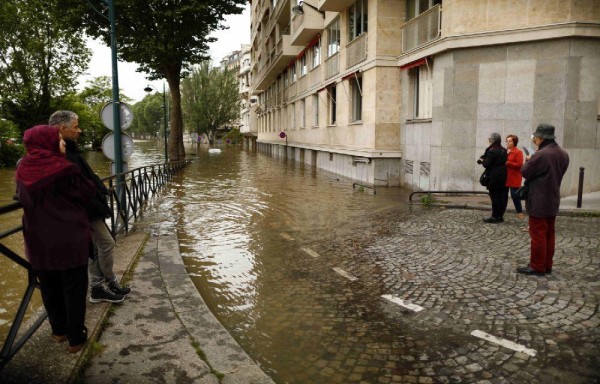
106, 114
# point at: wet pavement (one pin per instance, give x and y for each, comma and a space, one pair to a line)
430, 296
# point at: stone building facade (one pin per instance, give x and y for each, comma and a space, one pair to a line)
397, 92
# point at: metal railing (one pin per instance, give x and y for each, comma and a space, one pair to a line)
422, 29
134, 187
356, 50
446, 192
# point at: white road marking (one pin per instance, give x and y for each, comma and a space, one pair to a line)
310, 252
405, 304
345, 274
286, 236
505, 343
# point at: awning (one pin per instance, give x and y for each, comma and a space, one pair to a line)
416, 63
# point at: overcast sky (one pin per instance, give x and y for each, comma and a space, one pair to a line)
132, 83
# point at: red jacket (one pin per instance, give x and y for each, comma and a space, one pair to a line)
514, 162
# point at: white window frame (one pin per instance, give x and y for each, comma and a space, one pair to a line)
333, 37
331, 105
316, 54
302, 67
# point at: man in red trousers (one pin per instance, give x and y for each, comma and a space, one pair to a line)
543, 171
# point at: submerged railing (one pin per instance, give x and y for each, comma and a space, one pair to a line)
128, 193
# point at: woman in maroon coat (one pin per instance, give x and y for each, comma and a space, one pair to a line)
56, 230
514, 162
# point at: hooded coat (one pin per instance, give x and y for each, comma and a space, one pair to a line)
53, 194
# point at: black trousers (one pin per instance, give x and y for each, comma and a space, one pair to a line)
64, 294
499, 198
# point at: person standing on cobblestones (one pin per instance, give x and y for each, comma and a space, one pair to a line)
544, 171
103, 281
494, 162
514, 162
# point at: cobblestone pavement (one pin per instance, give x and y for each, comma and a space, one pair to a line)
455, 279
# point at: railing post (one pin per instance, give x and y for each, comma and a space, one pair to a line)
580, 188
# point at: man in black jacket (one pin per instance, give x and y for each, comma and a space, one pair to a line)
103, 281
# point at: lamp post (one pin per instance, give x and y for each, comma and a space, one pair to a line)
164, 94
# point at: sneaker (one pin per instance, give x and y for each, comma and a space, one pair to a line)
118, 288
101, 293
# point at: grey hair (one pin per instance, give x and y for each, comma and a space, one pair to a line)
62, 118
495, 137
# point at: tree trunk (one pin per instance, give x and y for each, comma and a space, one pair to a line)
176, 149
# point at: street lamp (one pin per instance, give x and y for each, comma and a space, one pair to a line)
298, 10
148, 89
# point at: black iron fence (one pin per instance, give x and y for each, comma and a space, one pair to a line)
128, 193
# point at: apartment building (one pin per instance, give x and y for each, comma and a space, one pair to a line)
247, 101
406, 92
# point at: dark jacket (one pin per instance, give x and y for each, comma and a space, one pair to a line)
97, 208
494, 162
56, 229
544, 172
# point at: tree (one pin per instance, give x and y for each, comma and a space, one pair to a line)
210, 99
40, 60
165, 37
148, 116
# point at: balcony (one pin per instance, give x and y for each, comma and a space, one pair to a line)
332, 65
356, 50
306, 26
275, 62
422, 29
334, 5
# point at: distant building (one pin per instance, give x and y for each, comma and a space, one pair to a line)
247, 101
406, 92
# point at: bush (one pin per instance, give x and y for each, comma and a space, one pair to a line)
10, 154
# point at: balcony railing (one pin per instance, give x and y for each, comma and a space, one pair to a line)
422, 29
356, 50
332, 65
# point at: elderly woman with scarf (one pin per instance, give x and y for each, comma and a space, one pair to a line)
494, 162
56, 231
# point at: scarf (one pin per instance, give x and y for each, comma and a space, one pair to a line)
44, 163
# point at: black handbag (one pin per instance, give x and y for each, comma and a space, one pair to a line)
484, 179
523, 191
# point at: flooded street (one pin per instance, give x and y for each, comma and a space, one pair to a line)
323, 283
258, 235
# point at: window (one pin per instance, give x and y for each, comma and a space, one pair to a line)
315, 110
357, 19
292, 74
285, 79
356, 91
422, 97
331, 101
333, 38
316, 54
302, 66
416, 7
302, 114
292, 116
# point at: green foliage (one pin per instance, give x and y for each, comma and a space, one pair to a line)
210, 98
427, 200
10, 150
148, 116
40, 59
165, 37
233, 137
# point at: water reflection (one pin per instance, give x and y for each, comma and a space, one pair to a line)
249, 229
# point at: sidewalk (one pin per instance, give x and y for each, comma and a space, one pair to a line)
163, 331
568, 205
